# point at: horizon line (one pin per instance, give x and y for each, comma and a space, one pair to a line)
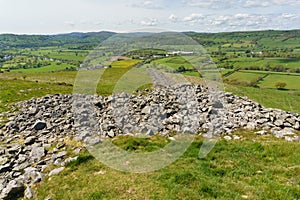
136, 31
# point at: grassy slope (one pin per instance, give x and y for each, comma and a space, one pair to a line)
50, 68
242, 76
13, 91
281, 99
259, 168
174, 62
262, 62
47, 83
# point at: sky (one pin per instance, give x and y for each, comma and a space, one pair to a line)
64, 16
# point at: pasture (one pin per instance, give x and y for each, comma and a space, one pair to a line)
251, 168
124, 63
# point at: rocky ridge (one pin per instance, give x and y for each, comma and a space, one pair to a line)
36, 136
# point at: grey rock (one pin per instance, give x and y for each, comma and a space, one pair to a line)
29, 193
68, 160
14, 149
5, 168
21, 166
13, 190
297, 126
251, 126
77, 151
291, 120
289, 139
236, 137
33, 111
227, 137
3, 160
39, 125
150, 132
60, 145
111, 133
146, 110
58, 162
2, 152
3, 183
278, 122
30, 140
172, 138
218, 104
61, 154
33, 175
261, 132
56, 171
92, 140
37, 153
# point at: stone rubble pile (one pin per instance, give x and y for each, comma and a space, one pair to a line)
35, 136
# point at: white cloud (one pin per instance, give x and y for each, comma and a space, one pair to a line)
194, 17
173, 18
149, 22
242, 20
148, 4
286, 2
213, 4
256, 3
290, 16
222, 4
70, 23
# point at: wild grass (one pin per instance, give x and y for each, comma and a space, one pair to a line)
271, 98
13, 91
253, 168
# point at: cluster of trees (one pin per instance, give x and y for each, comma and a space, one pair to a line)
277, 68
254, 83
251, 83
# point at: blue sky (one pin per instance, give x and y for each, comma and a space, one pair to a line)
63, 16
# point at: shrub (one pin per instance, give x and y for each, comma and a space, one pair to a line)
280, 85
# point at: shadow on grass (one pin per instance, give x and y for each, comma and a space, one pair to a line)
80, 160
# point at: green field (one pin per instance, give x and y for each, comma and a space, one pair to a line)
49, 68
245, 76
124, 63
292, 82
52, 77
265, 79
13, 91
262, 63
63, 54
174, 62
270, 98
254, 168
277, 43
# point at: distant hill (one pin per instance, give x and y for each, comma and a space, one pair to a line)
77, 40
288, 38
70, 39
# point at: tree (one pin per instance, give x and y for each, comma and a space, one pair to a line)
181, 69
280, 85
